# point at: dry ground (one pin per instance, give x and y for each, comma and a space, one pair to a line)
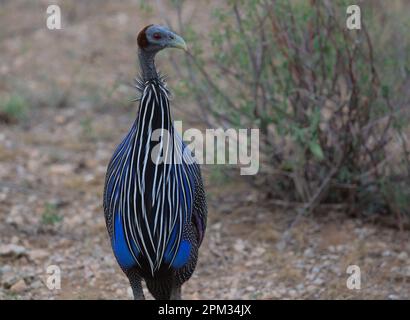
52, 167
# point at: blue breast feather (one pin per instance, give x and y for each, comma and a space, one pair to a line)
126, 259
121, 248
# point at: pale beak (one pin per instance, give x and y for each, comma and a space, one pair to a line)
178, 42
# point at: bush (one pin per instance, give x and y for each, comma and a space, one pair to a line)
331, 127
12, 109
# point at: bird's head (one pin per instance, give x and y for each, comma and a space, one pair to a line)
155, 38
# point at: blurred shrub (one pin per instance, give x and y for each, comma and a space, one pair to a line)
50, 215
12, 108
332, 129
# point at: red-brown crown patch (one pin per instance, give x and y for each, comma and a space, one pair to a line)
142, 37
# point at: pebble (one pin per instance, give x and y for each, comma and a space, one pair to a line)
12, 250
61, 169
15, 217
331, 248
5, 269
19, 286
311, 288
300, 287
309, 253
316, 269
8, 279
37, 254
130, 294
293, 293
318, 281
36, 284
239, 245
15, 240
403, 256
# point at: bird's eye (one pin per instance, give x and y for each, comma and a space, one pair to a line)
157, 35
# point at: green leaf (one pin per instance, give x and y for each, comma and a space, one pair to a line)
316, 150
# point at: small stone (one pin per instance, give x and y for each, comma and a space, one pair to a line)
8, 279
318, 281
129, 293
60, 119
311, 288
19, 286
36, 284
239, 245
37, 254
300, 287
403, 256
61, 169
217, 226
258, 251
340, 248
293, 293
406, 271
12, 250
15, 240
308, 253
315, 269
5, 269
14, 220
109, 260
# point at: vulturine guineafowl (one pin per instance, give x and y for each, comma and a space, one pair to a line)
154, 199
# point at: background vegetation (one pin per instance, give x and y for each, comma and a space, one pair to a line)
331, 103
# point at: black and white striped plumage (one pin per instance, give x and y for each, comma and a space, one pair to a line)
154, 201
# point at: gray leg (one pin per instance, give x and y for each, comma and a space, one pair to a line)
135, 282
176, 294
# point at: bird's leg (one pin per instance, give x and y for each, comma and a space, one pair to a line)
135, 282
176, 293
137, 290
